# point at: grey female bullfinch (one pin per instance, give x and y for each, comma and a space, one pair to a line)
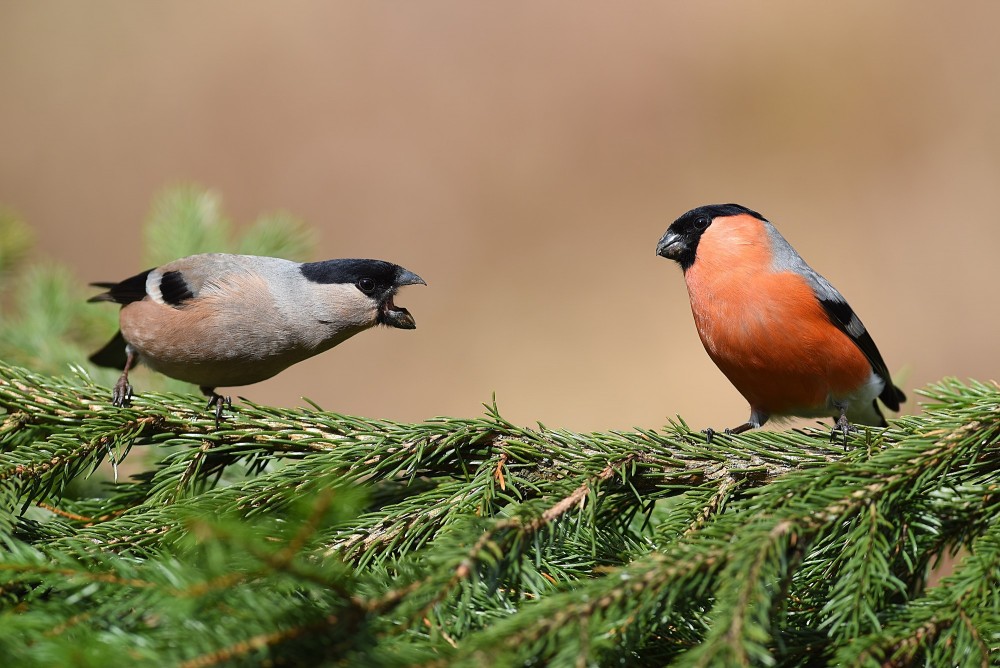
219, 320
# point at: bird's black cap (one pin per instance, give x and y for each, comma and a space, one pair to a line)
375, 278
350, 271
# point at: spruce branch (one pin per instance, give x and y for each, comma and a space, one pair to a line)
303, 536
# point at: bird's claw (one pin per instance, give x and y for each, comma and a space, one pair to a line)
121, 395
220, 403
842, 427
728, 431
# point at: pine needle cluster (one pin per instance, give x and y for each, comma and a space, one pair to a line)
303, 537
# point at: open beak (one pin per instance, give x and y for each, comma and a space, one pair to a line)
397, 316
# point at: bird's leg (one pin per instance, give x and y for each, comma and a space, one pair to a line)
218, 401
746, 426
121, 395
757, 419
842, 426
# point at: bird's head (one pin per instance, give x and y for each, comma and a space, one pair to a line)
680, 241
361, 292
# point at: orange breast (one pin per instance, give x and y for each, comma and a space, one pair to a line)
766, 331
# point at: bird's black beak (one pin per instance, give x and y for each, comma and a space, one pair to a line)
671, 245
406, 277
396, 316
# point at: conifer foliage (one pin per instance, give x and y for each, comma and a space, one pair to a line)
303, 537
308, 537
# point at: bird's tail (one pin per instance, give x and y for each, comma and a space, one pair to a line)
113, 354
892, 397
104, 296
127, 291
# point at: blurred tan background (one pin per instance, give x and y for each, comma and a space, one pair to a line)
524, 158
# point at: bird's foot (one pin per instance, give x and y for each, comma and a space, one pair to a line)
729, 431
220, 403
842, 427
121, 395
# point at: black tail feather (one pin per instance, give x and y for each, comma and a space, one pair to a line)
113, 354
127, 291
892, 396
878, 412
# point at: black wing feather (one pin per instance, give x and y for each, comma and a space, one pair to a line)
841, 314
174, 289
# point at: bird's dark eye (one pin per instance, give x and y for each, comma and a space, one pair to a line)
701, 223
366, 285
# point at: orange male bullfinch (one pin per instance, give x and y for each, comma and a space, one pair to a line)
779, 331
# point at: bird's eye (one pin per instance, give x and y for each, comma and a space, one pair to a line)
701, 223
366, 285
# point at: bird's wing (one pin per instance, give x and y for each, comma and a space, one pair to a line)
173, 284
846, 320
837, 309
181, 281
